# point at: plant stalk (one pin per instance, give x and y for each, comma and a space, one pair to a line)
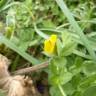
61, 90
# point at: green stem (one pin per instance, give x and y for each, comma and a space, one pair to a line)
61, 90
14, 65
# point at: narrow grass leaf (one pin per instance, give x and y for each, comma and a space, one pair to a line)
76, 27
12, 46
40, 33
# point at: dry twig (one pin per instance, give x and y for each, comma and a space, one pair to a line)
15, 85
31, 69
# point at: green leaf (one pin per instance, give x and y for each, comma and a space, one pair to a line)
58, 72
68, 43
77, 66
48, 24
76, 80
12, 46
87, 82
65, 78
2, 3
91, 91
89, 67
58, 64
81, 54
60, 79
23, 46
59, 47
54, 91
10, 18
77, 93
69, 48
69, 88
66, 37
40, 33
76, 27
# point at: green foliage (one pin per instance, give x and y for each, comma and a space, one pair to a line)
58, 73
66, 46
54, 91
2, 93
25, 24
89, 67
2, 3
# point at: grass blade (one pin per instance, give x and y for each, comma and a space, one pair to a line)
76, 27
12, 46
40, 33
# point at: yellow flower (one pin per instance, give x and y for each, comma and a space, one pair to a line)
49, 44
